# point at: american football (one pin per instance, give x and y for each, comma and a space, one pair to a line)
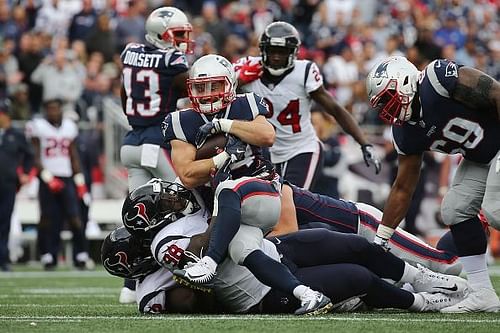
214, 145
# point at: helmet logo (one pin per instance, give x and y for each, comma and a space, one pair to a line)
165, 13
121, 266
381, 70
141, 214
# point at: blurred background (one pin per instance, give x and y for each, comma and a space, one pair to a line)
82, 40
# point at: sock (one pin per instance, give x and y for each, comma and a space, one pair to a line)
299, 291
270, 272
418, 303
477, 271
469, 237
409, 274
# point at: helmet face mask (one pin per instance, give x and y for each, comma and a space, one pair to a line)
279, 44
391, 87
212, 84
127, 256
168, 27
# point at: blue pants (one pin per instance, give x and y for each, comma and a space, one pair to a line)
7, 198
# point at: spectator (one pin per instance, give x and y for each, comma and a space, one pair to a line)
102, 39
14, 151
213, 25
450, 32
20, 104
83, 22
130, 29
30, 56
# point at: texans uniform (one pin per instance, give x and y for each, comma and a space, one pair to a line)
449, 127
320, 211
55, 157
147, 77
297, 151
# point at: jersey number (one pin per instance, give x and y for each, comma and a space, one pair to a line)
151, 82
460, 131
288, 116
173, 255
57, 147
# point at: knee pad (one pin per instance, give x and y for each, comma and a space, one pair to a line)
246, 240
457, 208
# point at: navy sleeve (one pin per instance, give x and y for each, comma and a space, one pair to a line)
446, 72
177, 63
27, 152
248, 107
182, 125
167, 129
407, 139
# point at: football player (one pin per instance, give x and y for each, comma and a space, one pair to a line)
343, 266
289, 87
247, 190
153, 79
451, 109
61, 184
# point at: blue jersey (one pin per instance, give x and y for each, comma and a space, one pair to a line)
183, 125
446, 125
147, 78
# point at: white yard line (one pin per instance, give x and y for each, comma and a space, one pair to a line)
249, 317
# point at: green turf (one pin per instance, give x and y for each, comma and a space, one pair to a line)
69, 301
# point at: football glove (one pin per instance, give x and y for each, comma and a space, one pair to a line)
371, 157
235, 148
212, 128
54, 184
248, 70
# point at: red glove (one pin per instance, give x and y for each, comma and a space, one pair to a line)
81, 188
55, 184
248, 69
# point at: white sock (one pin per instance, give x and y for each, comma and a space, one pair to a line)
418, 303
477, 271
82, 256
409, 274
299, 291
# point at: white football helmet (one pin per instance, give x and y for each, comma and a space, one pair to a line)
391, 86
212, 84
168, 27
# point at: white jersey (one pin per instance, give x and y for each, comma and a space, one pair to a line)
235, 287
54, 144
151, 291
290, 105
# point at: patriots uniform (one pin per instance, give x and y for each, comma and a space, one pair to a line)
147, 80
446, 125
236, 289
183, 125
290, 109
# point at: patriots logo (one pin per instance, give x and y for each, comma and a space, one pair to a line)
141, 214
121, 265
451, 70
165, 13
381, 71
180, 60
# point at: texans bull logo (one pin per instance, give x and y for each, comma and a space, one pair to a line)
135, 222
121, 266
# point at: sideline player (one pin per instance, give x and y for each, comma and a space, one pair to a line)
451, 109
289, 87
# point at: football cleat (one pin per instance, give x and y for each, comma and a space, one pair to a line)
127, 296
480, 300
313, 303
436, 302
200, 272
432, 282
349, 305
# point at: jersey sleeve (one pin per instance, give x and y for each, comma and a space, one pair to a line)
177, 63
443, 76
406, 140
248, 106
313, 78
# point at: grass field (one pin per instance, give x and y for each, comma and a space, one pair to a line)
72, 301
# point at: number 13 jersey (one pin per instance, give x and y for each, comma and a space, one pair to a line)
446, 125
290, 109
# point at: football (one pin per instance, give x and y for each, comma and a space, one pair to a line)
214, 145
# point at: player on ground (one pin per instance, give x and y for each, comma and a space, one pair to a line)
153, 78
451, 109
289, 87
340, 265
61, 185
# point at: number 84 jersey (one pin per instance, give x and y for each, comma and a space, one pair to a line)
290, 109
446, 125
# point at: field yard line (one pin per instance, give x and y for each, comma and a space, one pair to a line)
247, 317
58, 296
33, 305
53, 275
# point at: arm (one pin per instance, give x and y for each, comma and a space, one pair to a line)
75, 159
288, 217
246, 131
191, 172
343, 117
179, 83
477, 91
402, 190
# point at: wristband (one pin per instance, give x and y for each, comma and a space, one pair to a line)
46, 176
79, 179
220, 159
225, 124
384, 232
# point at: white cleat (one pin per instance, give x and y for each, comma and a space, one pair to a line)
436, 302
432, 282
201, 272
480, 300
313, 303
127, 296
